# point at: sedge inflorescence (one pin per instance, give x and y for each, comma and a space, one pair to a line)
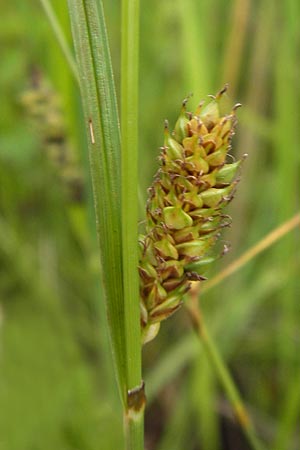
194, 183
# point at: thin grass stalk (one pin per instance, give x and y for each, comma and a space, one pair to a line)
270, 239
134, 414
60, 36
223, 374
102, 126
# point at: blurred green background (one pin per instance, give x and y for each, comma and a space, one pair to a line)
57, 387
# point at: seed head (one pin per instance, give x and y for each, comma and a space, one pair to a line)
184, 211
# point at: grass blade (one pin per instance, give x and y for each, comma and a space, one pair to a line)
198, 80
287, 115
102, 126
287, 426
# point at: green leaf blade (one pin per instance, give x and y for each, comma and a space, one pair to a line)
102, 125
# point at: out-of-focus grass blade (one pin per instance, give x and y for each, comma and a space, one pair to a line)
289, 419
286, 174
195, 39
254, 99
287, 159
59, 34
102, 126
233, 55
203, 397
177, 426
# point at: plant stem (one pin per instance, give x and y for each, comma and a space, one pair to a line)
223, 374
129, 132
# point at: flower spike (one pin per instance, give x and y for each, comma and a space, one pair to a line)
185, 209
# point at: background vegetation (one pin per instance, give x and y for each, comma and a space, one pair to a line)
57, 388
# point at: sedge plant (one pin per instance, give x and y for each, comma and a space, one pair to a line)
259, 334
184, 212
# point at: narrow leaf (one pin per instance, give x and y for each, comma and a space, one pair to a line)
102, 125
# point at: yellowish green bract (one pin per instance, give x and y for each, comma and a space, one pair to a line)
185, 209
